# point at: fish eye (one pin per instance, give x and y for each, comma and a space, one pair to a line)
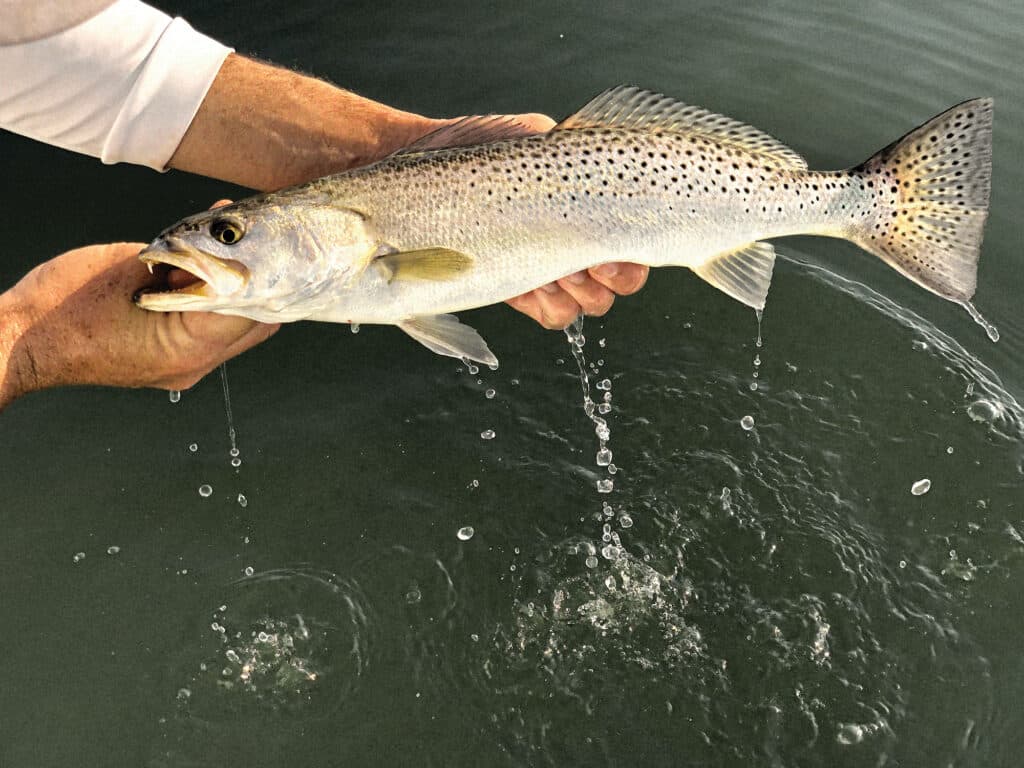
227, 231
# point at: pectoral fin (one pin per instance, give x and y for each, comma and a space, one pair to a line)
445, 335
424, 264
745, 274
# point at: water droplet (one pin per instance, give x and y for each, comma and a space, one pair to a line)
113, 549
473, 369
610, 552
591, 562
475, 637
921, 487
233, 452
919, 346
473, 484
612, 469
604, 384
514, 382
236, 462
753, 386
605, 485
194, 447
903, 563
625, 521
600, 343
949, 449
604, 407
990, 330
747, 422
79, 557
489, 394
757, 360
242, 501
487, 434
492, 366
354, 327
604, 457
465, 533
174, 395
184, 694
205, 490
249, 570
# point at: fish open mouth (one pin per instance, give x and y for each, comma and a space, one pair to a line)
212, 277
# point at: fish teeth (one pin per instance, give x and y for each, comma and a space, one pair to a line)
149, 265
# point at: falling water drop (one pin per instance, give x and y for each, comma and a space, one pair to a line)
354, 327
205, 490
242, 501
747, 422
921, 487
174, 395
487, 434
990, 330
465, 533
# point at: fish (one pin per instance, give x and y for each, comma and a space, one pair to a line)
483, 210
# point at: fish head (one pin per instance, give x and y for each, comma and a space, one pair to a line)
270, 258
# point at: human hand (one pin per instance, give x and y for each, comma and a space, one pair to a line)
71, 321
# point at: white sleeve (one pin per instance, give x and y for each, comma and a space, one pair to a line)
122, 86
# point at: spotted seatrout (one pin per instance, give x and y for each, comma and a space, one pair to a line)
479, 212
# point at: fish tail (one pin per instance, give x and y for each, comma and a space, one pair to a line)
930, 194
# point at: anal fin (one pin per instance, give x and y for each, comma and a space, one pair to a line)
445, 335
745, 273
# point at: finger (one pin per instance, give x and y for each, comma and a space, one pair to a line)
592, 297
527, 304
621, 277
557, 307
255, 335
220, 204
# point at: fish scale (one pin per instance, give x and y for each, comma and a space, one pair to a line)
482, 211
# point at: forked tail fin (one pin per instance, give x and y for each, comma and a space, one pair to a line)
932, 189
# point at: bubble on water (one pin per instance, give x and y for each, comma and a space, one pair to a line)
113, 549
921, 487
194, 447
249, 570
489, 394
747, 422
205, 490
604, 457
605, 485
850, 733
983, 411
174, 395
79, 557
354, 327
465, 533
487, 434
242, 501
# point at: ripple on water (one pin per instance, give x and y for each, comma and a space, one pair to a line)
281, 646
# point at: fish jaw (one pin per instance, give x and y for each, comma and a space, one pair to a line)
218, 279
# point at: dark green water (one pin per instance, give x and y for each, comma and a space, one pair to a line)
780, 598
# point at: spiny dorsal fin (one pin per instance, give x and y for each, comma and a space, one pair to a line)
476, 129
424, 264
445, 335
745, 274
628, 107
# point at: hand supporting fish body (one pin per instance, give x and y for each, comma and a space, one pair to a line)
479, 212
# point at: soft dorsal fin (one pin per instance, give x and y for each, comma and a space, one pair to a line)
628, 107
476, 129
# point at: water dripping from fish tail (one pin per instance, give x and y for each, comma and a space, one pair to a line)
758, 343
990, 330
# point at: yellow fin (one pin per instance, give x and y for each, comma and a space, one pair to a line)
424, 264
745, 273
631, 108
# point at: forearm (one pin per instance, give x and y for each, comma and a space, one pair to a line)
264, 127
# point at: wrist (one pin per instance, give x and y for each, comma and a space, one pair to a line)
18, 375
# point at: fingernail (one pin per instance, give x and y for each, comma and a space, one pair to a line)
608, 270
577, 278
550, 288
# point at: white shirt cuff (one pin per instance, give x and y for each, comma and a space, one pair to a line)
123, 86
